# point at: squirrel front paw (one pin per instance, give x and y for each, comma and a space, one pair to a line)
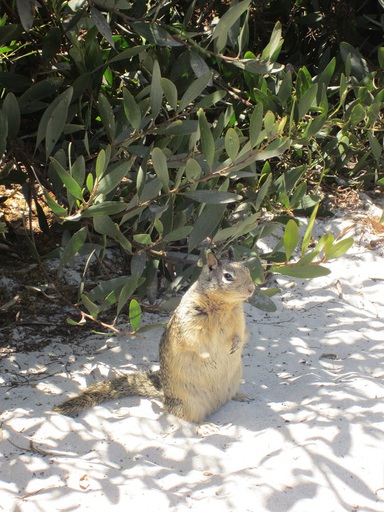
236, 344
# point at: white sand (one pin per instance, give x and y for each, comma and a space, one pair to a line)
311, 441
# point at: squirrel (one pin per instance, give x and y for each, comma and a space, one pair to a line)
200, 350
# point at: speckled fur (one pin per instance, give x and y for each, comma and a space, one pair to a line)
200, 350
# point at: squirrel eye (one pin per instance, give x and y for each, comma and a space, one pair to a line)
228, 277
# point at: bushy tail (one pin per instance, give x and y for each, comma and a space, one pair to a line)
141, 384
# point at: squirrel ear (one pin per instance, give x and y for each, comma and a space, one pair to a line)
212, 261
231, 254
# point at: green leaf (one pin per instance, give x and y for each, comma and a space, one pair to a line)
193, 169
351, 56
12, 111
298, 196
158, 225
206, 137
198, 64
13, 81
101, 163
155, 34
170, 92
314, 126
104, 208
275, 148
150, 327
113, 176
29, 101
260, 300
102, 25
285, 90
128, 53
194, 90
212, 196
71, 184
156, 95
134, 314
8, 32
308, 100
257, 66
143, 239
255, 125
159, 161
324, 78
291, 238
269, 124
241, 228
338, 249
226, 21
271, 51
211, 99
138, 263
303, 82
56, 208
309, 271
77, 170
380, 56
309, 257
89, 182
105, 226
263, 192
179, 127
73, 246
205, 224
106, 288
126, 292
375, 145
131, 109
70, 321
93, 308
232, 143
26, 11
325, 242
178, 234
308, 232
357, 115
53, 120
3, 132
288, 180
151, 190
107, 117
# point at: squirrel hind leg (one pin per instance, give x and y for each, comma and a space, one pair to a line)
175, 407
187, 411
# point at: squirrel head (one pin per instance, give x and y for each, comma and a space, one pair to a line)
226, 279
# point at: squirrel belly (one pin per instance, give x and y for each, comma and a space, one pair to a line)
205, 372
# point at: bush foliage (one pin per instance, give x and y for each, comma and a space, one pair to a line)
159, 125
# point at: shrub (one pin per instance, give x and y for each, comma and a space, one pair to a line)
156, 127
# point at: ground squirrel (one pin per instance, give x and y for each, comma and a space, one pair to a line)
200, 350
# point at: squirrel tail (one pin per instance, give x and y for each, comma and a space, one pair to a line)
141, 384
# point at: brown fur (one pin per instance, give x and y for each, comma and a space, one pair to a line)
200, 350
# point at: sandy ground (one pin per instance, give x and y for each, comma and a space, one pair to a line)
312, 439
